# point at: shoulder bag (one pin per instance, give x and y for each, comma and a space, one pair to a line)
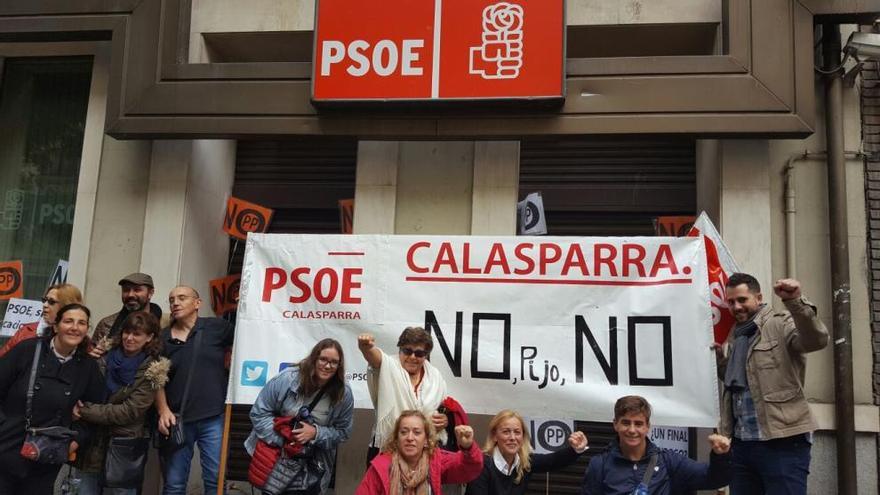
176, 438
48, 445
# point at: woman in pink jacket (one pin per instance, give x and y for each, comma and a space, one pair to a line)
411, 464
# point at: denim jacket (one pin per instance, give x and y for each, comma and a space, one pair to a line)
279, 398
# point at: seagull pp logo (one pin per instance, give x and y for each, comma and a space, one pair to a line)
253, 373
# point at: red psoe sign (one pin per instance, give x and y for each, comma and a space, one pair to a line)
438, 50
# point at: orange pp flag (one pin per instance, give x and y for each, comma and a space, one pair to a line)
243, 217
673, 226
11, 280
224, 293
346, 215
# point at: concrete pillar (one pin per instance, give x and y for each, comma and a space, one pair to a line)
375, 193
496, 187
746, 207
183, 241
434, 187
709, 178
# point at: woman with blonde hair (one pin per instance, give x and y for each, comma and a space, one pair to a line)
509, 462
55, 298
412, 464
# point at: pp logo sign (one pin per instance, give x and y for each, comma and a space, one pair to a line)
243, 217
10, 280
224, 294
549, 435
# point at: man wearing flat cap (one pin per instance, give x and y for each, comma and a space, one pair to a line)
137, 290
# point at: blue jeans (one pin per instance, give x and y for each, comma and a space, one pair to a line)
208, 433
776, 467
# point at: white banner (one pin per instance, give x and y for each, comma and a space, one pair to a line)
549, 326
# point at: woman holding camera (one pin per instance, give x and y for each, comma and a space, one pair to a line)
409, 382
412, 464
306, 410
64, 374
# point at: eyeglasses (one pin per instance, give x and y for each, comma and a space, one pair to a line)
50, 301
328, 363
419, 353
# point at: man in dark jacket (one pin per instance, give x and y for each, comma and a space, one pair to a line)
635, 466
137, 291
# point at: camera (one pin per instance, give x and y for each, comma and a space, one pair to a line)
304, 415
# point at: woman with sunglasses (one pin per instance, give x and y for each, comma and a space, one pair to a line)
409, 382
56, 297
65, 375
279, 419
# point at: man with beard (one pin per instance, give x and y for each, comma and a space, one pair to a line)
137, 290
763, 406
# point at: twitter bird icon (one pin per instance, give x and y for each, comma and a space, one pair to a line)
253, 373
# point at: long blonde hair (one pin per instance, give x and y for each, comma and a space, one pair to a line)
525, 450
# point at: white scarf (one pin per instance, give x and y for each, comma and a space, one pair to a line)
392, 393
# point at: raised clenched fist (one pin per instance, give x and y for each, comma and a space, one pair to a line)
719, 443
787, 288
366, 341
464, 436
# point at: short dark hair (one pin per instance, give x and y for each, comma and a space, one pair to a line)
738, 279
86, 342
416, 336
632, 404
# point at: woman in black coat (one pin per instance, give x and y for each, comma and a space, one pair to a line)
508, 460
65, 374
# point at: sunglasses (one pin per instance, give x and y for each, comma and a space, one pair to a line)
50, 301
409, 352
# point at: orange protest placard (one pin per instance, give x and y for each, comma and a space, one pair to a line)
224, 293
243, 217
673, 226
346, 215
11, 280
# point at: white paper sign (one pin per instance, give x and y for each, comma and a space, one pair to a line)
549, 326
20, 312
549, 435
670, 437
531, 215
59, 275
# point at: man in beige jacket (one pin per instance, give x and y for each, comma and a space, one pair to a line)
763, 407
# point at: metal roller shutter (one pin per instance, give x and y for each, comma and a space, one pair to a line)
302, 180
610, 186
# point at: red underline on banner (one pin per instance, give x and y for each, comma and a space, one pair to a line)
625, 283
345, 253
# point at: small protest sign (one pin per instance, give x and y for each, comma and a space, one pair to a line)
20, 312
346, 215
673, 226
11, 280
243, 217
224, 293
549, 435
59, 274
531, 215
